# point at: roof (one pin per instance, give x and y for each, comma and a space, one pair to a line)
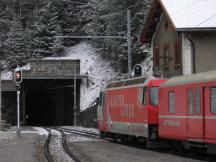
191, 13
127, 82
185, 15
139, 81
203, 77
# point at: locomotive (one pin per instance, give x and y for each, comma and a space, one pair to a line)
181, 110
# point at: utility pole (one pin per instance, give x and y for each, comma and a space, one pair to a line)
36, 9
129, 43
75, 107
20, 13
18, 113
0, 99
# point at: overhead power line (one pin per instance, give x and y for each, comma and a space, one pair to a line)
209, 18
93, 37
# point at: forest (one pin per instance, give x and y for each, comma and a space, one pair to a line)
35, 29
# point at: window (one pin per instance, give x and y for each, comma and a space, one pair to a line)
213, 100
177, 56
100, 98
166, 57
190, 101
198, 100
171, 102
157, 55
145, 90
154, 96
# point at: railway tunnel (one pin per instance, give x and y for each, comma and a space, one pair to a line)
49, 102
47, 94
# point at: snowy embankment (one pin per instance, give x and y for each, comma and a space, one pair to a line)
98, 70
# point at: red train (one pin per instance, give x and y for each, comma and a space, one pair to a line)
181, 109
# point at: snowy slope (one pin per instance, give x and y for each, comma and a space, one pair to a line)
99, 71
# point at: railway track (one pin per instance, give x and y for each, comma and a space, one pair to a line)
46, 146
65, 146
79, 132
196, 156
63, 138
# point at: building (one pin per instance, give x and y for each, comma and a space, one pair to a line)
182, 34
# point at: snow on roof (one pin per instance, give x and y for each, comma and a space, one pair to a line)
191, 13
6, 75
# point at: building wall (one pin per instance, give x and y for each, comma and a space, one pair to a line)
205, 51
166, 36
186, 56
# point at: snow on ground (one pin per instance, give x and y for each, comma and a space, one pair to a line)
92, 130
99, 71
40, 131
76, 138
56, 148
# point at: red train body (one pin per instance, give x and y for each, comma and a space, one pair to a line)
130, 107
188, 108
180, 109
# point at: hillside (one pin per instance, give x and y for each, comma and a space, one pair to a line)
99, 71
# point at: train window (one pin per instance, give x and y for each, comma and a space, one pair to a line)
154, 96
145, 90
213, 100
100, 98
190, 101
198, 100
171, 102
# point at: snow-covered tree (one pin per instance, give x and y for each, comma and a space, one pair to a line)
16, 46
111, 19
44, 31
5, 18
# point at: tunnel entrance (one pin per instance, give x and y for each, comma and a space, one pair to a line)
39, 108
47, 93
48, 102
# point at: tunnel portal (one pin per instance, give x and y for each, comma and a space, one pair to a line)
49, 102
47, 93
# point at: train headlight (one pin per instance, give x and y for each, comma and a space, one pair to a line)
146, 126
146, 130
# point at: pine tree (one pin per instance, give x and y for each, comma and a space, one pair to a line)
44, 32
5, 18
111, 19
16, 46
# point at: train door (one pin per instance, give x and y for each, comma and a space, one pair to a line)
195, 116
100, 110
210, 113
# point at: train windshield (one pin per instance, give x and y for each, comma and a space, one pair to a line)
101, 97
154, 96
145, 91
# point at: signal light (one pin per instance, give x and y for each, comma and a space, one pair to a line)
18, 75
137, 70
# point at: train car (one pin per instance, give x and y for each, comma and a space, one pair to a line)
187, 109
130, 108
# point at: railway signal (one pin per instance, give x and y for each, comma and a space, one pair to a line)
18, 81
137, 70
18, 75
